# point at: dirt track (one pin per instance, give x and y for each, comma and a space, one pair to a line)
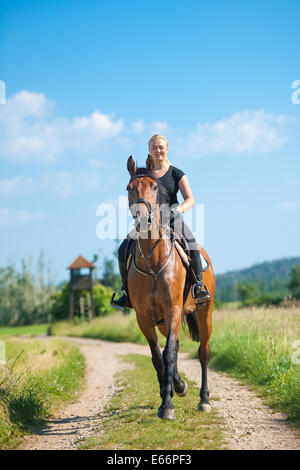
249, 423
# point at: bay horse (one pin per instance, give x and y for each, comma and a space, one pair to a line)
156, 282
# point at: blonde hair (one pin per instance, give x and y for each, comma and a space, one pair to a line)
162, 137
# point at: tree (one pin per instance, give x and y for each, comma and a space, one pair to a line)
109, 277
294, 284
24, 298
247, 292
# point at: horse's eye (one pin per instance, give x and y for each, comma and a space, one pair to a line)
155, 188
129, 188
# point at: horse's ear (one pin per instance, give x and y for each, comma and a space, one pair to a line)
131, 165
149, 162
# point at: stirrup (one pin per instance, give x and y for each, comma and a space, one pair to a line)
113, 298
113, 302
205, 298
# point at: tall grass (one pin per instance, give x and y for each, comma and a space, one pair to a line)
37, 378
256, 345
115, 327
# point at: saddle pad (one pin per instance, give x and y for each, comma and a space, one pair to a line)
182, 254
205, 264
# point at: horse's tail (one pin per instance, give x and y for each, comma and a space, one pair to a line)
193, 326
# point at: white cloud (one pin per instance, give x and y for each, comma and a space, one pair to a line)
138, 126
59, 183
289, 205
12, 217
93, 162
19, 185
293, 182
29, 129
158, 127
244, 132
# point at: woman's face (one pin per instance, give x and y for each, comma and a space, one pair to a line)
158, 149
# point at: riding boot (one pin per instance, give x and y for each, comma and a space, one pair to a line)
199, 295
124, 301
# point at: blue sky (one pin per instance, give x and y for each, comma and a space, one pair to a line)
87, 83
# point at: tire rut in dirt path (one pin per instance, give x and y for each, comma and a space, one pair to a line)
249, 423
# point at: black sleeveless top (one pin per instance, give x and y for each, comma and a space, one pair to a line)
170, 181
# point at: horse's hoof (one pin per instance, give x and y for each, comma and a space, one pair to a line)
185, 390
205, 407
166, 413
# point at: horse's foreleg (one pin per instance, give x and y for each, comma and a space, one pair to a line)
204, 317
157, 363
180, 386
166, 410
148, 331
171, 330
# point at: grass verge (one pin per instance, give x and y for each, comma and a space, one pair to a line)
130, 421
37, 378
256, 346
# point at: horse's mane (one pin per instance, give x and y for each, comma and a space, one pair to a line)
163, 195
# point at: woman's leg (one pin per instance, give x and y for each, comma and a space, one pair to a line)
199, 294
194, 252
123, 301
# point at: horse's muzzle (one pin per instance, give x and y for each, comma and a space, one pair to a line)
142, 224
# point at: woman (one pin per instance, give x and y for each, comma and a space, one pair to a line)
173, 179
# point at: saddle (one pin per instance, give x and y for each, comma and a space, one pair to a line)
182, 247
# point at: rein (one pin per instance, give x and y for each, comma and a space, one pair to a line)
154, 275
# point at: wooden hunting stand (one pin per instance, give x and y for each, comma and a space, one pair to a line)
81, 280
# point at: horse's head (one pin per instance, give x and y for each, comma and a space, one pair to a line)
144, 195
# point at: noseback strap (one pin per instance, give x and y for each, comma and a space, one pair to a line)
149, 207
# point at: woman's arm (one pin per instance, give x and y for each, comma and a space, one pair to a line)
187, 195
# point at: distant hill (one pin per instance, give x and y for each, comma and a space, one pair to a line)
270, 277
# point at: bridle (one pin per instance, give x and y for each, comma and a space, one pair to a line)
154, 275
142, 199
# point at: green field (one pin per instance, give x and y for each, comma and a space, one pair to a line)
30, 330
